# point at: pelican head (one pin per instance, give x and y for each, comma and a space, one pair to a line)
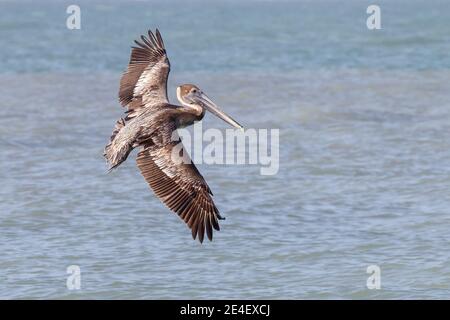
192, 96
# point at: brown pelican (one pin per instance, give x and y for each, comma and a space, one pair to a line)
149, 123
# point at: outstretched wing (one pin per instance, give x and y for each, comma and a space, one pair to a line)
144, 83
180, 186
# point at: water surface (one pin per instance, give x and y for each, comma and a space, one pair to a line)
364, 148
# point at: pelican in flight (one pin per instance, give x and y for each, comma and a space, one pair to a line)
149, 123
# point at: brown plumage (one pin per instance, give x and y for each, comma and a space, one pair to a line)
150, 124
145, 81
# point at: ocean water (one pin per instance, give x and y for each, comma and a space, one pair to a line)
364, 171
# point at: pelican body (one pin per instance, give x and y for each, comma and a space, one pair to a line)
149, 124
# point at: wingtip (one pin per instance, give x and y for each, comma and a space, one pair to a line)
110, 169
160, 39
201, 236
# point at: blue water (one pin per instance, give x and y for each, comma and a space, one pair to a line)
364, 119
227, 36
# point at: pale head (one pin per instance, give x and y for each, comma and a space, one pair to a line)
192, 96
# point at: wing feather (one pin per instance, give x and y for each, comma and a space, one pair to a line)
144, 83
181, 187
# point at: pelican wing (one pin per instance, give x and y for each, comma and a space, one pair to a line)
180, 186
144, 83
